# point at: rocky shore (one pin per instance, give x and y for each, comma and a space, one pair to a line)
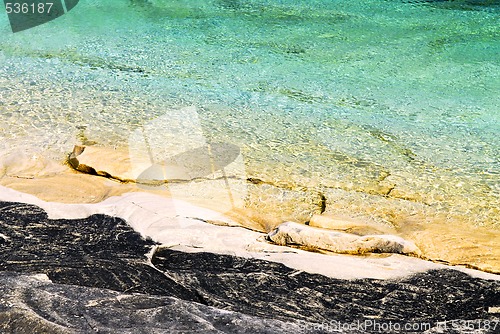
99, 274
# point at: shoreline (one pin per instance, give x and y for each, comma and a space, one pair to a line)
115, 199
98, 274
251, 167
452, 244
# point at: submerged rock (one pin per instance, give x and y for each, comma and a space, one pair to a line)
125, 166
295, 234
114, 164
349, 225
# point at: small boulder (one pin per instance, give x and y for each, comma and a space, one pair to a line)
294, 234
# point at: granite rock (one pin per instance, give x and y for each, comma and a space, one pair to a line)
98, 274
31, 305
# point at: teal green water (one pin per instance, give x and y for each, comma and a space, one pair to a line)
391, 98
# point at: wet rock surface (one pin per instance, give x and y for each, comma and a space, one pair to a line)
98, 278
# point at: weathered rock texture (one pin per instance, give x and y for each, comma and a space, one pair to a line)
93, 266
339, 242
31, 305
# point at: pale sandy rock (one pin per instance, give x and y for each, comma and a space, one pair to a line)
185, 227
442, 240
455, 242
284, 204
106, 162
290, 233
23, 166
350, 225
192, 175
220, 160
69, 186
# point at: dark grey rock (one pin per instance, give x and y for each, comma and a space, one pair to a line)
29, 305
99, 251
264, 288
101, 281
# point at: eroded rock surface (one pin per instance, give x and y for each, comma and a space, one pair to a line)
339, 242
29, 305
93, 265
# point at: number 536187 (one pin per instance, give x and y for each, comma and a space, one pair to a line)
25, 8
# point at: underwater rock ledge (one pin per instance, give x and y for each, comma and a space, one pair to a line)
93, 274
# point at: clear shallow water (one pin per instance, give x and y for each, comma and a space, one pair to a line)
389, 98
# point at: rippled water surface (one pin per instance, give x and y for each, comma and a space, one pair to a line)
391, 98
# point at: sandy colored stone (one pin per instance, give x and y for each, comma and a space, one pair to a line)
107, 162
455, 243
181, 226
440, 239
308, 237
24, 166
349, 225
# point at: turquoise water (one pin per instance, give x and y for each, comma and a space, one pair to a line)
396, 99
